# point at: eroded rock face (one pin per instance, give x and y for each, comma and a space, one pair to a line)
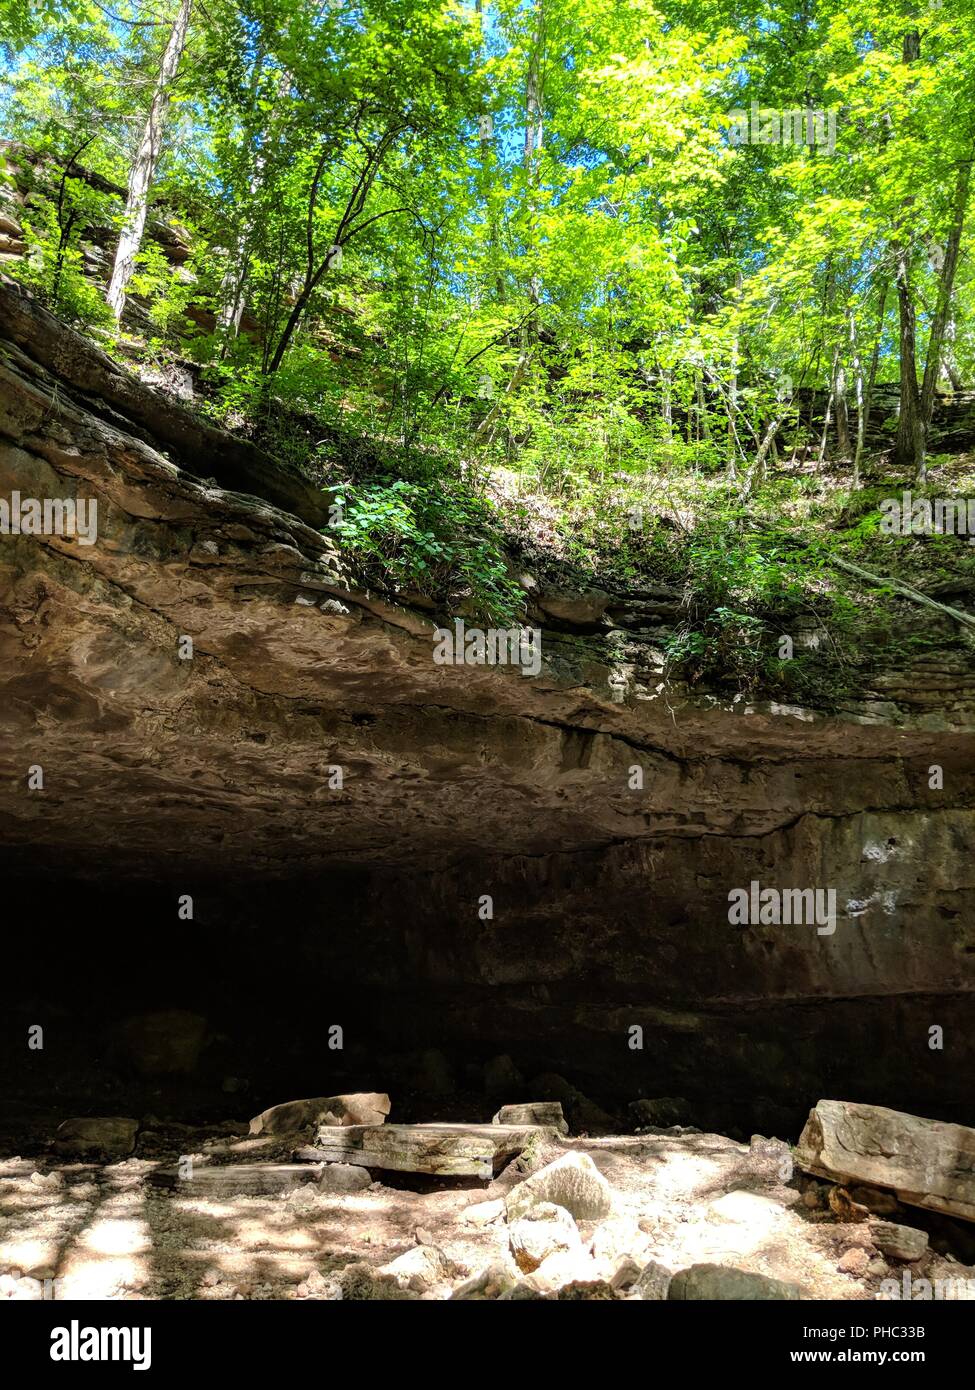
191, 684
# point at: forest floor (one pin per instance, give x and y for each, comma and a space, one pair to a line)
106, 1232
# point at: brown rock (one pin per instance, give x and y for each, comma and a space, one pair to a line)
854, 1261
535, 1112
361, 1108
842, 1205
928, 1163
899, 1242
114, 1136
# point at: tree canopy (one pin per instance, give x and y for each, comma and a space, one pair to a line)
621, 250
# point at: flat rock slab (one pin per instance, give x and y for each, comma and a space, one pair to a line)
443, 1150
928, 1163
235, 1179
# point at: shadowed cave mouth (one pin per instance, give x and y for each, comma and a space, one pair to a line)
282, 989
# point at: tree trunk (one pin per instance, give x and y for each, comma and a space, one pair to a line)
730, 470
946, 284
860, 396
909, 449
844, 448
143, 167
534, 135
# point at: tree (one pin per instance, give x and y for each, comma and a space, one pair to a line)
145, 160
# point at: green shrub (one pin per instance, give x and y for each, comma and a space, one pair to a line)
435, 537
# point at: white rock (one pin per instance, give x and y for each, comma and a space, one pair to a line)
573, 1182
542, 1231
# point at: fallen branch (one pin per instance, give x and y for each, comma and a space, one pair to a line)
881, 581
905, 590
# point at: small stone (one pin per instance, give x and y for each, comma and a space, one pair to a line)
522, 1292
483, 1213
46, 1180
899, 1242
854, 1261
626, 1273
419, 1269
653, 1283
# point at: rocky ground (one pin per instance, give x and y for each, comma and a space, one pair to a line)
646, 1206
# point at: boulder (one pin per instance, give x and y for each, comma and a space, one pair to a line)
661, 1113
166, 1043
114, 1136
572, 1181
583, 1114
927, 1163
653, 1284
899, 1242
535, 1112
711, 1282
343, 1177
544, 1230
361, 1108
432, 1074
501, 1076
